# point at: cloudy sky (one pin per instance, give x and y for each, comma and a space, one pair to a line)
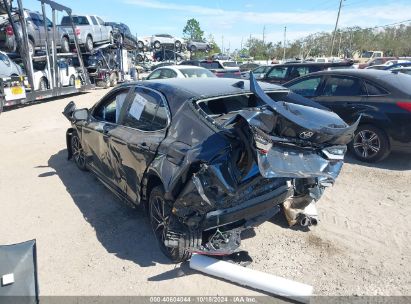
233, 21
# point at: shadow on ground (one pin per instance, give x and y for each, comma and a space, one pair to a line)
395, 161
122, 230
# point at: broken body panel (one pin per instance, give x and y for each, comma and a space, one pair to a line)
228, 162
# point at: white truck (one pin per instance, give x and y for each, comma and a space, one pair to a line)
89, 29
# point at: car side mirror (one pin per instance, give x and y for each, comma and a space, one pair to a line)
81, 114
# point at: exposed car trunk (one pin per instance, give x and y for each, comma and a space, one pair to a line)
279, 152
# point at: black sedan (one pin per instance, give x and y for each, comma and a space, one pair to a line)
381, 98
209, 158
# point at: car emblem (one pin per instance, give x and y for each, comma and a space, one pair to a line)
306, 134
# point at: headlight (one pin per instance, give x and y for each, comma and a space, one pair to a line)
335, 152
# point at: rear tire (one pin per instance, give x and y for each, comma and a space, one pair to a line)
78, 152
157, 45
72, 81
163, 221
43, 84
140, 45
370, 144
193, 48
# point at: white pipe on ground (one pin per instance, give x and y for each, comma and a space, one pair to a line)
252, 278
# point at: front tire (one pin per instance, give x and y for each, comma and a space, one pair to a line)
370, 144
78, 152
89, 44
163, 223
157, 45
43, 84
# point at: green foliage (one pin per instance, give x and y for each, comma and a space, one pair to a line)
193, 31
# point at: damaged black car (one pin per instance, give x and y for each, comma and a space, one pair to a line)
210, 158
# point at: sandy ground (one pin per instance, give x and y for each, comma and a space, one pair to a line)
89, 243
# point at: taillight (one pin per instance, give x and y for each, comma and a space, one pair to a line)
219, 74
77, 31
9, 30
404, 105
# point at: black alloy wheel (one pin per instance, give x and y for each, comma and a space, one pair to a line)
78, 152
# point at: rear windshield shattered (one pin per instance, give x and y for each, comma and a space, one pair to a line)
228, 104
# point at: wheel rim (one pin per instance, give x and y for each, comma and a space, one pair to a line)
72, 80
42, 85
78, 152
367, 143
140, 45
157, 45
178, 44
90, 44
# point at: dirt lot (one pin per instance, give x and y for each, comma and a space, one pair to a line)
89, 243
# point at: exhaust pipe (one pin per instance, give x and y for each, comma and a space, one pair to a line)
305, 220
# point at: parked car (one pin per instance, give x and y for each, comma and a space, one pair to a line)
194, 46
123, 35
382, 99
216, 67
281, 73
164, 55
159, 40
376, 61
35, 31
89, 29
8, 67
258, 72
220, 56
209, 158
398, 65
180, 71
41, 77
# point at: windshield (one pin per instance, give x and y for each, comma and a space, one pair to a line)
196, 73
77, 20
210, 65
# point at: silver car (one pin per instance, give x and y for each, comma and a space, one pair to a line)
198, 46
8, 67
159, 40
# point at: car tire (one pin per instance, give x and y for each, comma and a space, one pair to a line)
157, 45
113, 79
140, 45
43, 84
140, 58
193, 48
162, 221
111, 38
177, 44
65, 45
105, 83
72, 81
31, 49
89, 44
370, 144
78, 152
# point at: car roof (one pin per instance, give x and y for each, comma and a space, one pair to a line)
178, 90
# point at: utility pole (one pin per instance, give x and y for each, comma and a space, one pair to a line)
335, 29
241, 45
222, 44
285, 39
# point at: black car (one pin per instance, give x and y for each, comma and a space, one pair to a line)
381, 98
123, 35
281, 73
166, 55
209, 158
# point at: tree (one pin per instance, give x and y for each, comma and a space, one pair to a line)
193, 31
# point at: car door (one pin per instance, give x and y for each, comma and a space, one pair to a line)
134, 144
104, 30
342, 94
105, 117
96, 29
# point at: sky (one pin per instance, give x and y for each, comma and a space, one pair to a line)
232, 22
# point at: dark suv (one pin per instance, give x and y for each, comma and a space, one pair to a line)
282, 73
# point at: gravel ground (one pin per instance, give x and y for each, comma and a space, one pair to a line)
89, 243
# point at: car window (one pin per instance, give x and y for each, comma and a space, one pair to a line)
278, 73
147, 112
94, 20
259, 70
374, 90
155, 75
109, 108
298, 71
36, 19
307, 87
100, 20
167, 73
343, 86
78, 20
196, 73
211, 65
